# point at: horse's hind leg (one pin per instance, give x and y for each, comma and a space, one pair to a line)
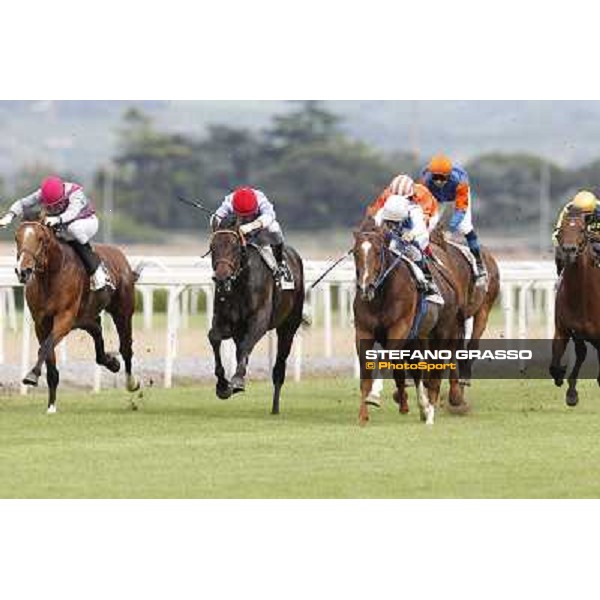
559, 345
285, 338
400, 396
572, 397
52, 378
122, 320
110, 361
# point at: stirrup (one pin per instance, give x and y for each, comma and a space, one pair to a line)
432, 293
107, 283
481, 277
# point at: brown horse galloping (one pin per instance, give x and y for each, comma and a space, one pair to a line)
58, 295
477, 300
385, 308
577, 313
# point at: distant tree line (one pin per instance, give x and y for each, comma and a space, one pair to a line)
317, 175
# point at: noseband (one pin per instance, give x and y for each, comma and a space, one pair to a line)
242, 244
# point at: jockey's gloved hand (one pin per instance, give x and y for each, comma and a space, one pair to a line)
456, 220
247, 228
7, 219
53, 221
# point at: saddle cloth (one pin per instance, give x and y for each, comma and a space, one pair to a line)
468, 256
266, 253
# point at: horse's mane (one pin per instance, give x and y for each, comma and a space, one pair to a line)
368, 225
229, 222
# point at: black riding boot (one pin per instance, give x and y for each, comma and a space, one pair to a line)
91, 261
431, 288
278, 254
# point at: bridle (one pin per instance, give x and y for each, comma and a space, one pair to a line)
383, 272
39, 264
584, 238
236, 270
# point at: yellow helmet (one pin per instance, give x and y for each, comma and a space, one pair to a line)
585, 201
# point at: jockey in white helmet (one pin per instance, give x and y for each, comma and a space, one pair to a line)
405, 219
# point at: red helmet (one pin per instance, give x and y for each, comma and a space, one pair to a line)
53, 191
245, 203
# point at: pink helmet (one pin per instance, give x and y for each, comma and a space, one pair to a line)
403, 185
53, 190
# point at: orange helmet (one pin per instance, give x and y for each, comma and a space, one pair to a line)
440, 165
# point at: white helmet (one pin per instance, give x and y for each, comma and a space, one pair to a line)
395, 209
402, 185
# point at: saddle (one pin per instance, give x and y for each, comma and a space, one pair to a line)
266, 253
407, 253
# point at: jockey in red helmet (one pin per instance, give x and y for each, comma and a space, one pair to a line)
258, 220
72, 215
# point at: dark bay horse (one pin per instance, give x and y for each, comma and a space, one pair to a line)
385, 308
577, 312
248, 303
58, 295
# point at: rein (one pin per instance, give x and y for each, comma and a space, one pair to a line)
242, 242
383, 275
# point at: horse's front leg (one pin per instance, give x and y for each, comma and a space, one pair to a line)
52, 379
559, 345
222, 389
243, 348
61, 325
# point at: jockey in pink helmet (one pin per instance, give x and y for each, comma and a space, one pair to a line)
72, 215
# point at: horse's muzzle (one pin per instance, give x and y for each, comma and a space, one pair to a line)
569, 253
367, 293
24, 275
223, 286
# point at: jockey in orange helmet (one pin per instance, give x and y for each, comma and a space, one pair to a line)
403, 185
449, 183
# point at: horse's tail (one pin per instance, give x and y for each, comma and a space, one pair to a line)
137, 271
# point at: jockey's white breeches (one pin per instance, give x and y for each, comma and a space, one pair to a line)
82, 230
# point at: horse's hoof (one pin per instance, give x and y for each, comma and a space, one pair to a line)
572, 398
429, 415
237, 385
51, 410
112, 363
373, 400
133, 385
459, 409
223, 391
31, 379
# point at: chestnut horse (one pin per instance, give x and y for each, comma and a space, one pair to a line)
248, 303
58, 295
385, 308
577, 312
477, 300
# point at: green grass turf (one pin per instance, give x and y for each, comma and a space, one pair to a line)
519, 441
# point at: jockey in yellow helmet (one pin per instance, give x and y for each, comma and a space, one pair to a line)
587, 203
